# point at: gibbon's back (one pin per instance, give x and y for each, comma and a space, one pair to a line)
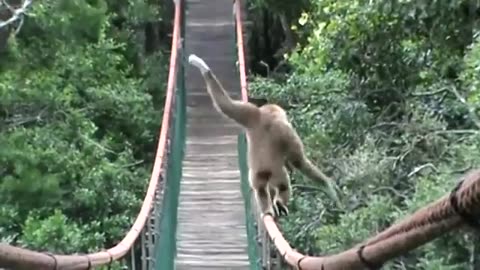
268, 139
274, 111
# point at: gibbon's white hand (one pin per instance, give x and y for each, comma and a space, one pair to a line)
199, 63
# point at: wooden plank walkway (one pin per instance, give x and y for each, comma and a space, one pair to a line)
211, 231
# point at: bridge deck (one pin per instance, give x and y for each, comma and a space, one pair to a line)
211, 230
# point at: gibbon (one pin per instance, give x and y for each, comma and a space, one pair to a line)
272, 145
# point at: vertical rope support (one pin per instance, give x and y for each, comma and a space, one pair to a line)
157, 217
143, 248
260, 231
265, 243
278, 259
132, 257
149, 236
153, 235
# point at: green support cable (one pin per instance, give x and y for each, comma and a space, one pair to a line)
245, 186
249, 215
165, 249
182, 66
235, 44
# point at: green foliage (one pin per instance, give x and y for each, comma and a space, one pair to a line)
470, 77
385, 97
38, 233
77, 126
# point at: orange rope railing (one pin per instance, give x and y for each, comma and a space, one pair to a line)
19, 258
423, 226
240, 49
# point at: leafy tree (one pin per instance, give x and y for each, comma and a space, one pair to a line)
384, 95
78, 122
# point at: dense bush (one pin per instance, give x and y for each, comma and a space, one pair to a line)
77, 124
385, 96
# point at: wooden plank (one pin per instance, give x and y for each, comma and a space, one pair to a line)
211, 231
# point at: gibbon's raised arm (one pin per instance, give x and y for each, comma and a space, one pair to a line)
243, 113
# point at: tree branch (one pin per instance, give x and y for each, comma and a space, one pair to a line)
132, 164
87, 139
421, 167
455, 131
430, 93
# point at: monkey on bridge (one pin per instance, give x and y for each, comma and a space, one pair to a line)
272, 144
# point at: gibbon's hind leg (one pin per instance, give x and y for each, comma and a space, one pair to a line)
281, 183
259, 183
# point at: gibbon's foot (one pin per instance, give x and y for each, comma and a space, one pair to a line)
280, 209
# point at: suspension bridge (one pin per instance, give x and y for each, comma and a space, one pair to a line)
197, 212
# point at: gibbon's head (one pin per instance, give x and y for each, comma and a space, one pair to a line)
274, 110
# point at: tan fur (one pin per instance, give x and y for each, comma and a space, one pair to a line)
272, 144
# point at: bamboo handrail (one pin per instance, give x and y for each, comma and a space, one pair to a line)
423, 226
20, 258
